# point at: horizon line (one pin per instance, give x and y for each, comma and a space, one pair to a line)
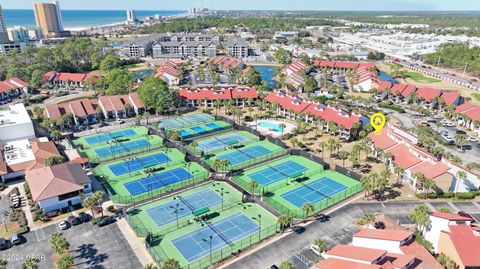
277, 10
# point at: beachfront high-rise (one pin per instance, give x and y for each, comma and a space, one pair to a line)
3, 28
131, 16
49, 19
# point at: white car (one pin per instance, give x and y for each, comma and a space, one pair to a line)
315, 249
438, 116
471, 139
63, 225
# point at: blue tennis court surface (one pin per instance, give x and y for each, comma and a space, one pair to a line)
138, 164
219, 142
313, 192
277, 172
157, 181
125, 146
212, 125
232, 228
109, 136
242, 155
164, 214
198, 130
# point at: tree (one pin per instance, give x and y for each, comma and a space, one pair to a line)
170, 264
3, 264
310, 85
284, 221
446, 261
65, 261
54, 160
156, 95
282, 127
399, 172
89, 202
58, 243
109, 63
321, 244
150, 266
461, 176
286, 265
322, 145
420, 216
253, 185
283, 56
30, 263
343, 155
118, 81
307, 208
294, 142
217, 165
367, 218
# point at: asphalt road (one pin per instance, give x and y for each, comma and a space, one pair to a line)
338, 229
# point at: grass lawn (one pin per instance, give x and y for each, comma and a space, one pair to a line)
106, 170
419, 77
282, 199
118, 150
244, 178
476, 96
102, 138
121, 194
136, 67
245, 155
145, 216
193, 235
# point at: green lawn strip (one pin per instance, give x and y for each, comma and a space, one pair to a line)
123, 195
281, 204
275, 151
231, 198
250, 138
155, 142
167, 249
174, 154
476, 96
419, 77
139, 130
243, 179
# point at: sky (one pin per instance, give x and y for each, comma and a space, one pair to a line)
393, 5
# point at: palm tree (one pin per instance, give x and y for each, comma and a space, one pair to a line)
253, 185
343, 155
420, 216
59, 243
225, 164
461, 176
30, 263
332, 145
217, 165
446, 261
194, 145
399, 172
321, 244
282, 127
89, 202
217, 104
307, 208
294, 142
171, 264
150, 266
65, 261
420, 178
286, 265
368, 184
284, 222
322, 145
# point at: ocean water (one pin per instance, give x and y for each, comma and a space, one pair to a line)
81, 18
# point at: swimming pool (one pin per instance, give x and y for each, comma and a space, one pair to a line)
272, 126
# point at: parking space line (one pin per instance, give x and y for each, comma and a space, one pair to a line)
476, 204
41, 233
455, 209
431, 207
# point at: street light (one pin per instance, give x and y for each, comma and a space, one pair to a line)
209, 240
259, 219
222, 192
176, 209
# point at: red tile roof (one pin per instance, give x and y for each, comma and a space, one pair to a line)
430, 170
466, 244
397, 89
473, 114
427, 261
135, 99
428, 94
226, 62
343, 65
222, 94
356, 253
449, 98
384, 85
288, 102
53, 111
12, 84
344, 264
381, 140
73, 77
403, 157
390, 235
464, 107
106, 103
408, 90
296, 67
451, 217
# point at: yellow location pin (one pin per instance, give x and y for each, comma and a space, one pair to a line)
377, 121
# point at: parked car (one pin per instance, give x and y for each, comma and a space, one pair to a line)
74, 220
84, 217
63, 225
274, 266
15, 239
105, 221
471, 139
3, 244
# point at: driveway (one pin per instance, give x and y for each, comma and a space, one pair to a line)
338, 229
91, 246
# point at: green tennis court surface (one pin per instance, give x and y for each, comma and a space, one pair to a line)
104, 137
322, 190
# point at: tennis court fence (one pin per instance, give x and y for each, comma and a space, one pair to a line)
252, 161
328, 202
116, 179
159, 255
206, 133
106, 142
198, 151
128, 199
108, 158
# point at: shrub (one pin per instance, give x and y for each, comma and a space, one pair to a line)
396, 108
301, 145
111, 209
447, 195
465, 195
432, 195
95, 220
26, 188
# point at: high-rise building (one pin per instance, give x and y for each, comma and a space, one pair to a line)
3, 28
49, 19
24, 34
131, 16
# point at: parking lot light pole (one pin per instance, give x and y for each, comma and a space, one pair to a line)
209, 240
176, 209
259, 219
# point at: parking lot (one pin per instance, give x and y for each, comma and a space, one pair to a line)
91, 246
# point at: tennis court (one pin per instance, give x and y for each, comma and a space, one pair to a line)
220, 142
242, 155
121, 148
196, 244
136, 164
164, 214
184, 121
313, 192
201, 129
96, 139
278, 172
157, 181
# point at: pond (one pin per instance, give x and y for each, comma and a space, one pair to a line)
385, 77
268, 73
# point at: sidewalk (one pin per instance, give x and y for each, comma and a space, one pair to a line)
135, 243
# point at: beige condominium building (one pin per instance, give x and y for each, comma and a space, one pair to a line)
49, 19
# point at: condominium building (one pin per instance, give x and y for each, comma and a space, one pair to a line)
131, 16
237, 48
3, 28
24, 34
184, 49
12, 46
49, 19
